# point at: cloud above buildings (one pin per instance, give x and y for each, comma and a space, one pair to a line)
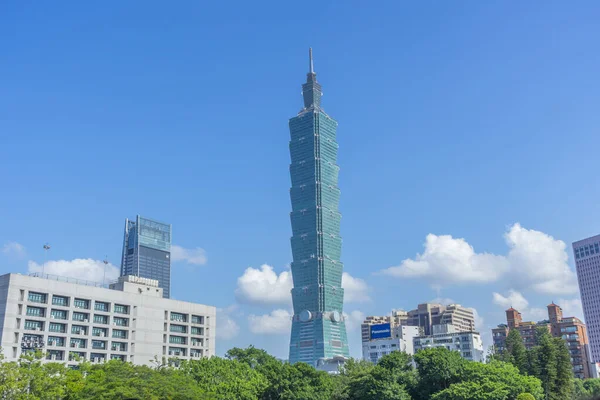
79, 268
195, 256
356, 290
263, 286
353, 320
226, 327
277, 322
14, 249
517, 301
539, 260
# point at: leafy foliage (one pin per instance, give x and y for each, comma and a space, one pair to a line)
253, 374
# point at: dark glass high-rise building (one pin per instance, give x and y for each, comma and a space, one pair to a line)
318, 326
147, 251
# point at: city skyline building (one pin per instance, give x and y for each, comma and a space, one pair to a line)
586, 253
147, 251
429, 325
318, 328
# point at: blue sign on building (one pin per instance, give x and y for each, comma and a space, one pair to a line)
381, 331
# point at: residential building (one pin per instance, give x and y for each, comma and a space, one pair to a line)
571, 329
318, 326
468, 344
427, 315
73, 320
587, 264
147, 251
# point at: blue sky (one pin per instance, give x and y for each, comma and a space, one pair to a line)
458, 119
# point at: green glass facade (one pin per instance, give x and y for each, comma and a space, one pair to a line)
318, 327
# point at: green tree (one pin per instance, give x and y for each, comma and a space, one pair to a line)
515, 352
438, 368
473, 391
226, 379
525, 396
504, 374
592, 386
564, 370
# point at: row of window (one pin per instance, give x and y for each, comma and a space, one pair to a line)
59, 355
76, 316
33, 325
179, 317
64, 301
183, 329
587, 250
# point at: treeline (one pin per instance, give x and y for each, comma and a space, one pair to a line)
549, 361
253, 374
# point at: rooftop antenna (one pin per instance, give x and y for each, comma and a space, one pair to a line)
104, 276
310, 60
46, 248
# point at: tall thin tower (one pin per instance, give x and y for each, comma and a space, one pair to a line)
318, 327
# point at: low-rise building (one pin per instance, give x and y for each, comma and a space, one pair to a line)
71, 320
468, 344
385, 338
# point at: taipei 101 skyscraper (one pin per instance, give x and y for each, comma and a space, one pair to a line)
318, 327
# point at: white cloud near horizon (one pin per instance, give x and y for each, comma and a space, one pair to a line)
195, 256
353, 320
356, 290
79, 268
540, 261
13, 248
517, 301
275, 323
263, 286
227, 327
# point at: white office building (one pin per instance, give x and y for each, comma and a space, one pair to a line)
468, 344
587, 263
71, 319
384, 338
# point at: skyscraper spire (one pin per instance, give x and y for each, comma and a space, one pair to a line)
311, 90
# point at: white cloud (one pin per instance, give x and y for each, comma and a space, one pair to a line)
263, 286
479, 321
227, 328
540, 261
13, 248
355, 289
571, 308
195, 256
513, 299
449, 260
442, 300
516, 300
277, 322
353, 320
79, 268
